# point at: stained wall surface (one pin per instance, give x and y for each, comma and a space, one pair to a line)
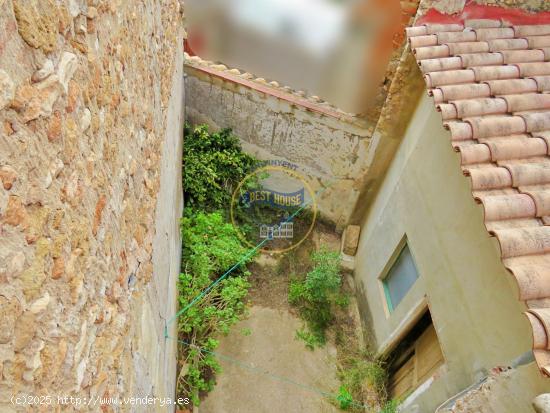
91, 112
329, 152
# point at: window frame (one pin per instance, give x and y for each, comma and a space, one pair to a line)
389, 307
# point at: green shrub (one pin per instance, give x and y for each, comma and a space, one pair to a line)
213, 166
210, 247
317, 294
344, 398
390, 406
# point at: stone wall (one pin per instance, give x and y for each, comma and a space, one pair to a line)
91, 108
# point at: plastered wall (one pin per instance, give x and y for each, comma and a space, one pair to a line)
91, 112
329, 152
472, 299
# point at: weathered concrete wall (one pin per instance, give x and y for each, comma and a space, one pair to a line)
472, 299
327, 150
91, 109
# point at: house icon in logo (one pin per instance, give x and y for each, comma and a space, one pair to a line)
284, 230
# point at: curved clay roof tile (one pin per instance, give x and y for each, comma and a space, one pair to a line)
472, 154
523, 241
489, 178
494, 33
538, 41
451, 77
511, 86
540, 339
497, 45
500, 207
532, 30
467, 47
495, 72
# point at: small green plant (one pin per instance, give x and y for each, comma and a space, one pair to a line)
344, 398
210, 247
316, 295
213, 166
390, 406
311, 340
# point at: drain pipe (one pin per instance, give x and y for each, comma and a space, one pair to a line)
525, 358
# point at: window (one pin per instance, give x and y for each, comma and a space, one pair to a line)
400, 278
415, 359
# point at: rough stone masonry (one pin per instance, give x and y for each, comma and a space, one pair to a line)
91, 113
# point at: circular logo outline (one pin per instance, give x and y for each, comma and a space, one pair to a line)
290, 172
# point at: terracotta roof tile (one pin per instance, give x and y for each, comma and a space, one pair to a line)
538, 41
546, 51
478, 107
511, 86
487, 126
496, 45
468, 47
532, 30
472, 154
494, 33
481, 59
482, 23
496, 72
430, 52
421, 41
526, 101
455, 37
543, 83
540, 340
524, 241
438, 65
491, 85
533, 69
465, 91
437, 28
500, 207
519, 56
451, 77
515, 147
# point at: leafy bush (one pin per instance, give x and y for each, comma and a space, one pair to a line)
317, 294
213, 165
210, 247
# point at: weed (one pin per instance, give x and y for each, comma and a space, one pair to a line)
316, 295
310, 339
344, 398
390, 406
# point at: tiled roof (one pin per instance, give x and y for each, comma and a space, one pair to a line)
492, 86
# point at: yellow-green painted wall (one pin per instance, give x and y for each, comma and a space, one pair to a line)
472, 298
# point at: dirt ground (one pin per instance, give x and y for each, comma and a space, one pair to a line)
265, 342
